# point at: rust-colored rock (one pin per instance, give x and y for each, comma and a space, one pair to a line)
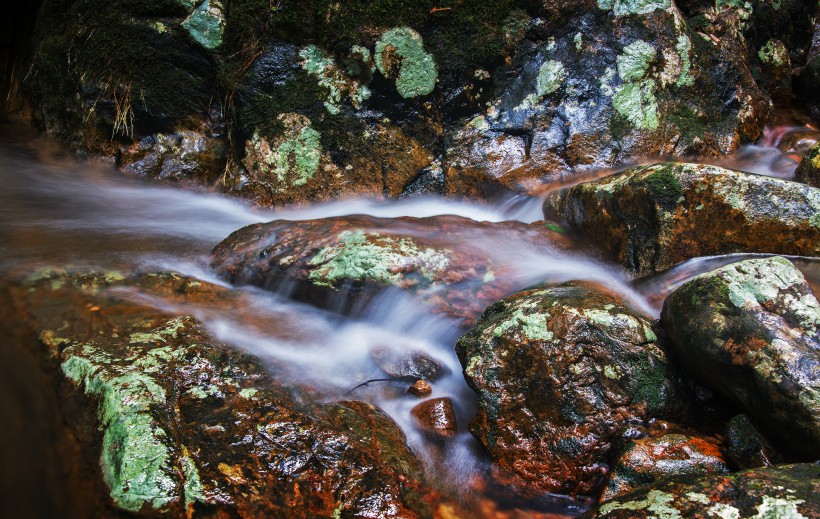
650, 218
436, 417
181, 424
420, 388
562, 374
455, 265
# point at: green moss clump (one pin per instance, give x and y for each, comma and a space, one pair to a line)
665, 186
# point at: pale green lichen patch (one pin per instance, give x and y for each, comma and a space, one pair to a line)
549, 79
525, 319
774, 53
657, 502
632, 7
637, 103
338, 84
400, 54
684, 50
780, 508
248, 392
293, 158
206, 23
635, 60
723, 511
136, 461
169, 331
385, 260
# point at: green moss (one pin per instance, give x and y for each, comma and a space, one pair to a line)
371, 257
400, 53
665, 187
205, 24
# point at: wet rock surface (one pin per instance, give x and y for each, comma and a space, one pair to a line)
436, 417
650, 218
180, 424
647, 460
450, 263
750, 331
561, 374
782, 491
747, 447
407, 364
809, 169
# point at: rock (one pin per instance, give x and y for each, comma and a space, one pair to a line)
647, 460
436, 417
622, 81
776, 492
746, 447
650, 218
454, 265
407, 364
189, 426
420, 389
749, 330
810, 77
809, 169
561, 374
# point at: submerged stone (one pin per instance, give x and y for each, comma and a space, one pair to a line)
561, 374
749, 330
436, 417
650, 218
407, 364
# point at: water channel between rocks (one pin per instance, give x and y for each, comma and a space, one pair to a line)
56, 211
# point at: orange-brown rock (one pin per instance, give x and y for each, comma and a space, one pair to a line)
436, 417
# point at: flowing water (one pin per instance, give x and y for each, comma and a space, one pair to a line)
58, 211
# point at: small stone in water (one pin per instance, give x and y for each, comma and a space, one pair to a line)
436, 416
420, 389
407, 365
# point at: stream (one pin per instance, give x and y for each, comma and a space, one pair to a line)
57, 210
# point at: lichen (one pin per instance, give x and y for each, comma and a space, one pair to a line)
205, 24
632, 7
635, 60
337, 84
660, 503
684, 49
774, 53
779, 508
400, 54
637, 103
549, 79
296, 157
386, 260
532, 324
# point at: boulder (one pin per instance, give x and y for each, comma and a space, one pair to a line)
647, 460
455, 265
183, 425
746, 447
749, 330
562, 374
650, 218
809, 169
776, 492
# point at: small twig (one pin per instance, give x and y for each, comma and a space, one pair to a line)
437, 9
367, 383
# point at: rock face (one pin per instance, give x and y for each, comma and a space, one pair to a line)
750, 331
561, 374
809, 169
776, 492
647, 460
623, 80
447, 261
746, 447
183, 425
650, 218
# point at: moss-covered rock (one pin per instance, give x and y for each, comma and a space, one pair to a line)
647, 460
786, 491
750, 331
562, 374
183, 425
809, 169
650, 218
442, 260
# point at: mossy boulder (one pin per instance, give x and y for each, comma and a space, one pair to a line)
650, 218
445, 261
809, 169
786, 491
563, 375
750, 331
623, 81
647, 460
183, 425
